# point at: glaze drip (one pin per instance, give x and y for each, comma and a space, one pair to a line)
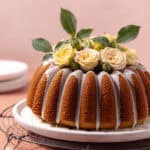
128, 73
62, 86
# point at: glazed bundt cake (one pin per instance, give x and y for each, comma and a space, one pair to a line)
89, 100
90, 82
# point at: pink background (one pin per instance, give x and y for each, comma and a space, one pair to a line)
23, 20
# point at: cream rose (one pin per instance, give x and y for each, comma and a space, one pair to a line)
64, 55
130, 53
87, 59
115, 57
131, 56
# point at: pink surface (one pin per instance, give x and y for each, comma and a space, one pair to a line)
23, 20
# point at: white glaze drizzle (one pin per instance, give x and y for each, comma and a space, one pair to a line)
116, 103
100, 76
78, 74
50, 61
97, 103
50, 72
99, 79
133, 68
77, 122
61, 91
141, 67
140, 79
115, 78
128, 73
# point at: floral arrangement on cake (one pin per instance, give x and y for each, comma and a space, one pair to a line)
82, 51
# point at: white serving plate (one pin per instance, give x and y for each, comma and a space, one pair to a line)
24, 116
11, 69
11, 85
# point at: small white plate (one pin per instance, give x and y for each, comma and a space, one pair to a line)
10, 69
11, 85
31, 122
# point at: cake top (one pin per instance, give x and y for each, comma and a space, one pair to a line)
82, 51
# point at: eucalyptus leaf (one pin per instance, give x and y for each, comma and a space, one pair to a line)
41, 44
84, 33
68, 21
59, 44
102, 40
128, 33
47, 57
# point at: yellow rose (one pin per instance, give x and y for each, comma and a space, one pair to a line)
97, 46
111, 38
131, 56
64, 55
115, 57
87, 59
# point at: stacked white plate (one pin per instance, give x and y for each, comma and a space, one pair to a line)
13, 75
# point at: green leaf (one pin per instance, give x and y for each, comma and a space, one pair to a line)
113, 44
102, 40
59, 44
76, 43
106, 67
41, 44
47, 57
84, 33
74, 65
68, 21
128, 33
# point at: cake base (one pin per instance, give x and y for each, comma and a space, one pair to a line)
24, 116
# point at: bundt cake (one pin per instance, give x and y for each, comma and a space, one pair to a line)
90, 82
88, 100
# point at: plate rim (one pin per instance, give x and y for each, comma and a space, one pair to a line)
16, 74
20, 82
105, 136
